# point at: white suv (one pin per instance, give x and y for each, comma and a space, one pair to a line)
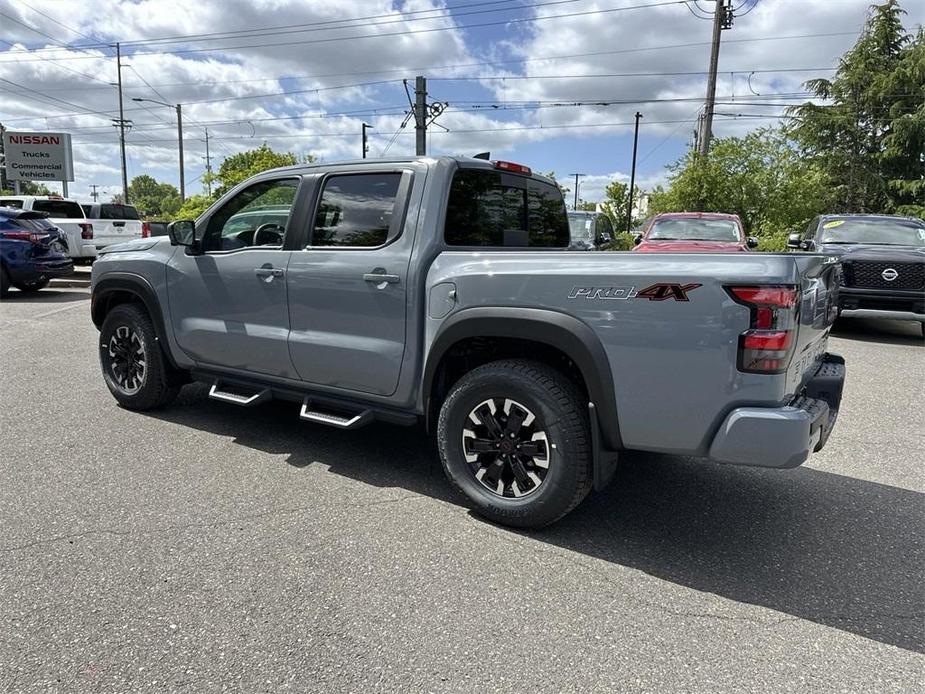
65, 214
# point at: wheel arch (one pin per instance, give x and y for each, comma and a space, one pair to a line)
125, 288
556, 331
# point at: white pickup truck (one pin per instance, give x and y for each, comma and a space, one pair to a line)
113, 223
65, 214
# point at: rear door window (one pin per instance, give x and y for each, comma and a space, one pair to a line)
59, 209
115, 211
493, 208
17, 204
356, 210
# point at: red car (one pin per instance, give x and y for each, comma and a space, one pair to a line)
694, 232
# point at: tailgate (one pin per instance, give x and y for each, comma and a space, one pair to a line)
106, 231
818, 278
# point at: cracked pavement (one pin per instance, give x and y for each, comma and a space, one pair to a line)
207, 548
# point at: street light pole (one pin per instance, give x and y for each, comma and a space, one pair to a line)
629, 212
577, 176
365, 146
179, 109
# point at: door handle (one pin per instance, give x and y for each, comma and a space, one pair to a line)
268, 272
379, 278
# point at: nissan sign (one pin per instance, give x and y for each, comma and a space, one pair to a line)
38, 156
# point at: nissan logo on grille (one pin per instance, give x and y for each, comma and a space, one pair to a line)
889, 274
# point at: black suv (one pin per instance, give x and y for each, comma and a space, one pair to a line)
883, 262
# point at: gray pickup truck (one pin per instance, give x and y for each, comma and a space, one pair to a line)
440, 289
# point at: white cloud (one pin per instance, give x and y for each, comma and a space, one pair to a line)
211, 84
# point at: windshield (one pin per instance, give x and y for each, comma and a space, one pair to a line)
581, 227
888, 232
695, 230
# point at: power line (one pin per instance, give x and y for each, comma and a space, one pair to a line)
516, 20
60, 24
349, 23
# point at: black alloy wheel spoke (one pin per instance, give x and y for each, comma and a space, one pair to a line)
490, 422
481, 446
532, 449
514, 422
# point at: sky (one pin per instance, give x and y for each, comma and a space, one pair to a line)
303, 75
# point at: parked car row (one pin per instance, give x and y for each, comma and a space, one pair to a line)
87, 229
882, 256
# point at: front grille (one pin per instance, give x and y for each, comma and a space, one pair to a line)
869, 275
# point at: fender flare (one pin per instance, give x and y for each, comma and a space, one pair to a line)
139, 287
559, 330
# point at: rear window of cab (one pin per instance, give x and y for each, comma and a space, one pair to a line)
498, 209
60, 209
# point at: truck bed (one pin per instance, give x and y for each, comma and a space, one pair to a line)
656, 346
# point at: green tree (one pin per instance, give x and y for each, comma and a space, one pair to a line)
153, 199
869, 138
193, 206
760, 177
242, 166
28, 188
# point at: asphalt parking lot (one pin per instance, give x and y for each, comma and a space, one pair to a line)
206, 548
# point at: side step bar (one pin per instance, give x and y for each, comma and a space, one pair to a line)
338, 421
244, 399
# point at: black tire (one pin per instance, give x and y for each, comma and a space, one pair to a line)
30, 287
4, 282
560, 412
154, 385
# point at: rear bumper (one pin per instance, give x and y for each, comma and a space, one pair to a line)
37, 271
783, 437
905, 304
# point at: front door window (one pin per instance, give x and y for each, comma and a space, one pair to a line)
258, 216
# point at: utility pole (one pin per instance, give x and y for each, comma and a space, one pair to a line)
125, 199
93, 193
629, 211
180, 146
722, 19
577, 176
420, 115
365, 146
208, 166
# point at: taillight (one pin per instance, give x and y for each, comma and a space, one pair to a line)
511, 166
145, 230
86, 231
767, 346
30, 236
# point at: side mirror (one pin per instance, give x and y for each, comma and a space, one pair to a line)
793, 240
183, 233
751, 242
637, 239
808, 245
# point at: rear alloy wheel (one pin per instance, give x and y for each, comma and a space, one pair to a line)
134, 368
507, 451
514, 438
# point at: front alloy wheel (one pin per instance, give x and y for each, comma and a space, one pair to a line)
506, 448
127, 359
133, 364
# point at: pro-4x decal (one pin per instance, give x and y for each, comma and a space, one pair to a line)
655, 292
661, 292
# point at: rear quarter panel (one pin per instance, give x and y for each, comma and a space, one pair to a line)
674, 362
